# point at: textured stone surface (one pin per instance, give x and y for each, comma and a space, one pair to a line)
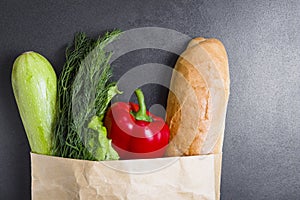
261, 149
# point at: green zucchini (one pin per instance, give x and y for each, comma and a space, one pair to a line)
34, 84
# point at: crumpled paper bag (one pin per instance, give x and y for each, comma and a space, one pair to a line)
192, 177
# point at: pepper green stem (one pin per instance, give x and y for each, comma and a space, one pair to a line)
141, 114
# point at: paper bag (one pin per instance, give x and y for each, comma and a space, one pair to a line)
192, 177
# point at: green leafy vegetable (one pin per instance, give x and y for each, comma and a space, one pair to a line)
84, 92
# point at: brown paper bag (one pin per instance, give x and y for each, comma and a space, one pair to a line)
193, 177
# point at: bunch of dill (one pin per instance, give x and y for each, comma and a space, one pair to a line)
83, 94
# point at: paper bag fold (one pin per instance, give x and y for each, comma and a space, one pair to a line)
193, 177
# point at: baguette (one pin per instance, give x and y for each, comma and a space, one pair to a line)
197, 101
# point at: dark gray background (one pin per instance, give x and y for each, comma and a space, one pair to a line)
262, 142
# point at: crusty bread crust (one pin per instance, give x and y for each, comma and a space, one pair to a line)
194, 114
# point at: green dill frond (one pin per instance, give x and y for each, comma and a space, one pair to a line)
82, 92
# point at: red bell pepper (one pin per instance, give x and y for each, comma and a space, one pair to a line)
135, 132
